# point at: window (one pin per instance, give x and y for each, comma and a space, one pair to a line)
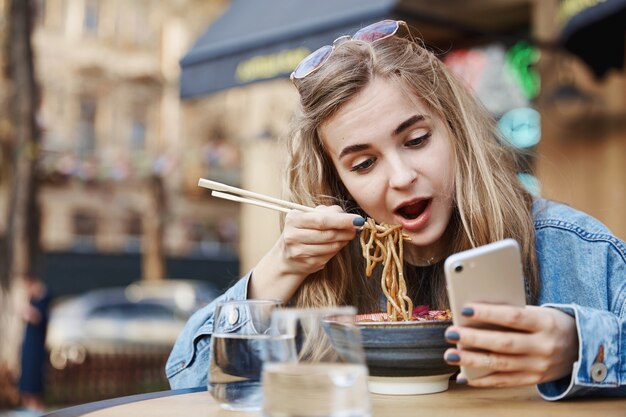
87, 127
138, 130
90, 19
133, 231
85, 227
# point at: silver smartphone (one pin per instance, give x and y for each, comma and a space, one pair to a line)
487, 274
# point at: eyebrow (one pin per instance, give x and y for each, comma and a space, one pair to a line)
408, 123
401, 127
353, 148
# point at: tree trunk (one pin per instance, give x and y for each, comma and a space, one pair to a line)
153, 259
21, 248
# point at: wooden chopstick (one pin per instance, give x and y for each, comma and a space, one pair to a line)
259, 203
231, 193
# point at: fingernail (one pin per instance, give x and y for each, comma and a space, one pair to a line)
467, 311
453, 336
452, 357
460, 380
358, 221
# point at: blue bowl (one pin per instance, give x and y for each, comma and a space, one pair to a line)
406, 348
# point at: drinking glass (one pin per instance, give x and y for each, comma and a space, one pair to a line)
238, 342
315, 365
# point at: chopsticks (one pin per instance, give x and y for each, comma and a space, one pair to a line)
239, 195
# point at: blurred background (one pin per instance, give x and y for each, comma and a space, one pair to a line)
111, 110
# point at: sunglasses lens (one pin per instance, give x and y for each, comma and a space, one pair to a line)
376, 31
312, 62
371, 33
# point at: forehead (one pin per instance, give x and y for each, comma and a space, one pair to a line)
378, 109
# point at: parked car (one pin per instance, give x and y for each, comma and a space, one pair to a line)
143, 315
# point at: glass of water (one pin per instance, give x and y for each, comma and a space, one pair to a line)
238, 343
315, 365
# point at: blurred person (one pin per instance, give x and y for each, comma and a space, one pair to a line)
385, 131
9, 397
31, 381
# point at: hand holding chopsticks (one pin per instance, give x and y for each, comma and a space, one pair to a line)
239, 195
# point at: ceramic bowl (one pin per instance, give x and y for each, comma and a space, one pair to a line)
406, 358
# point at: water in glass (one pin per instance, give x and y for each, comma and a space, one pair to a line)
315, 390
235, 370
318, 367
238, 346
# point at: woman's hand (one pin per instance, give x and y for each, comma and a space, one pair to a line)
541, 345
308, 241
31, 315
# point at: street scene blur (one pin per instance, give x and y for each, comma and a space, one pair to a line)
111, 110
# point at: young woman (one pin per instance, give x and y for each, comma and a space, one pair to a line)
385, 131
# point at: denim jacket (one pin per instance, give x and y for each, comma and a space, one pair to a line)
583, 273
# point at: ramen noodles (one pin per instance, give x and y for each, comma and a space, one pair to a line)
383, 243
420, 313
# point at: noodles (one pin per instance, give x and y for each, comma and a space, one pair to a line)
383, 243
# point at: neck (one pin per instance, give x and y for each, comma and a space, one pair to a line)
431, 254
420, 258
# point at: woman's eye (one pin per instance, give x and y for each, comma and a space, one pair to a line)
418, 141
363, 165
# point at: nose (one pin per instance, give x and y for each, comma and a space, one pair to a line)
401, 174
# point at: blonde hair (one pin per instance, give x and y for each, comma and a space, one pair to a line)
489, 203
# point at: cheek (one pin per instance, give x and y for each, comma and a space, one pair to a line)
447, 181
366, 193
446, 170
450, 176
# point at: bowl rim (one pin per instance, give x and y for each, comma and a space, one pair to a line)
403, 323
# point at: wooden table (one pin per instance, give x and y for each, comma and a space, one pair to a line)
459, 401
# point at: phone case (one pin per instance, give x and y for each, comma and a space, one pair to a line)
487, 274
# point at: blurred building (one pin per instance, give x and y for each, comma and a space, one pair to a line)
111, 120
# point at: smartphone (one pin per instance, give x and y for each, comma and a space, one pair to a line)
487, 274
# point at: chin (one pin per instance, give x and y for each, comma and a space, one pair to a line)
424, 239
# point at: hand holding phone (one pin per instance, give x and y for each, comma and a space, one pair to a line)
490, 274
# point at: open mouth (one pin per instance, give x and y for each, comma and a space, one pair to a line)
413, 210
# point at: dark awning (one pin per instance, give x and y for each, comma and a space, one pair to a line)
595, 32
258, 40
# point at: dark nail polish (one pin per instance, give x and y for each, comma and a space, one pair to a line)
452, 357
453, 336
467, 311
358, 221
461, 380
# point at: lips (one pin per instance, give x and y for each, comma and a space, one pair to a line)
412, 210
414, 215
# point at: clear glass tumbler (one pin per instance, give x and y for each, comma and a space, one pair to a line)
238, 346
315, 365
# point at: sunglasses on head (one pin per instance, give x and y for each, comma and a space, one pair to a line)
372, 33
